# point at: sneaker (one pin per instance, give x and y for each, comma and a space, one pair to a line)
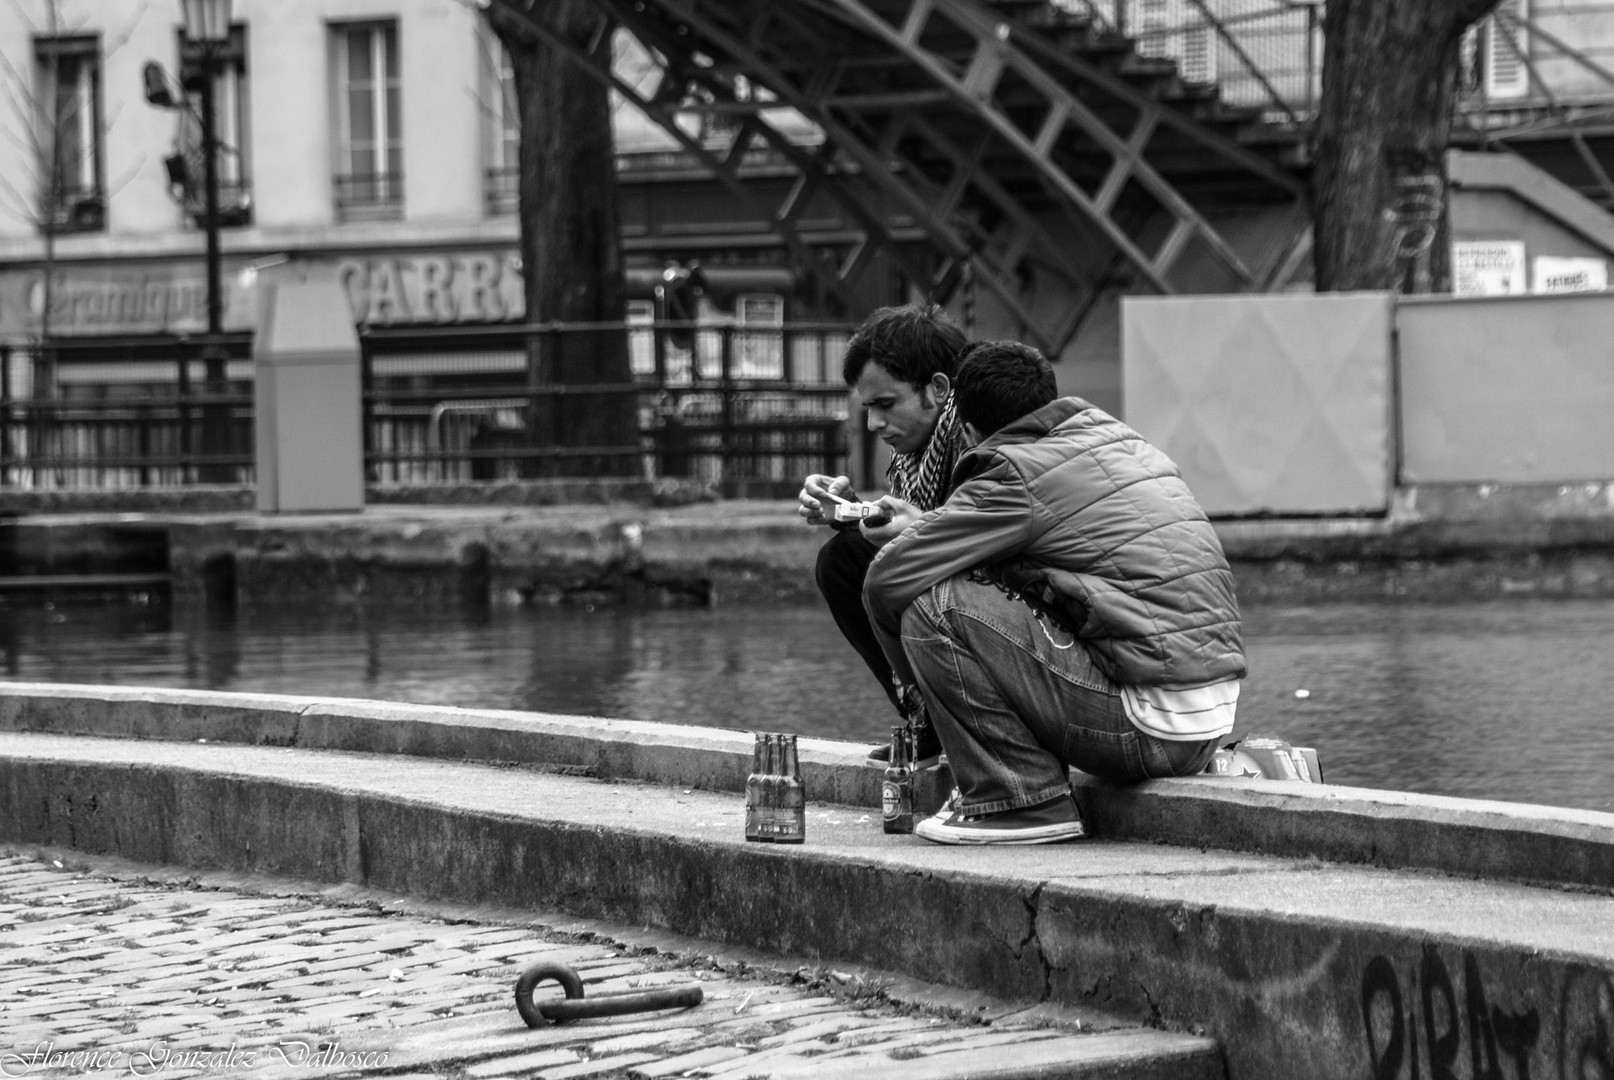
927, 751
1050, 823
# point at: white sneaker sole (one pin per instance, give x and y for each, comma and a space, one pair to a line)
939, 833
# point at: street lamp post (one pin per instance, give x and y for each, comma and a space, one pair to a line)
207, 28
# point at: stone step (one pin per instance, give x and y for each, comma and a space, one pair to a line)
1394, 830
1295, 965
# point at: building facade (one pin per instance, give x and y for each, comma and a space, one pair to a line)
368, 139
372, 141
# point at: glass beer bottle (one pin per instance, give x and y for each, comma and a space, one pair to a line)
792, 812
896, 787
753, 790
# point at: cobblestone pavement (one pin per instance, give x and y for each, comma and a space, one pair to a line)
127, 975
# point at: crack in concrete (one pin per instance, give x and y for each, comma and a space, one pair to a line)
1156, 1016
1033, 906
1308, 865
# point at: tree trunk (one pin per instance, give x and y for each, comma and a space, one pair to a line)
1384, 122
570, 237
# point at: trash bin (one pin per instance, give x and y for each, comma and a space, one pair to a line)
306, 389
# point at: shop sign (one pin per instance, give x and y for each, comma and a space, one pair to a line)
435, 289
1488, 267
1556, 275
117, 300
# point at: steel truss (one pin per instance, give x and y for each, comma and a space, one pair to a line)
991, 133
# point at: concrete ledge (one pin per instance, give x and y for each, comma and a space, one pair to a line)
1493, 840
711, 759
1498, 841
1299, 970
236, 498
1466, 543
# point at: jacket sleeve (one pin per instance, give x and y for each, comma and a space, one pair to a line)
988, 518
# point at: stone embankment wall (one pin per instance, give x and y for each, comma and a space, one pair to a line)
507, 545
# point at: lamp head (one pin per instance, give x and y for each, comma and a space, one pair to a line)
157, 91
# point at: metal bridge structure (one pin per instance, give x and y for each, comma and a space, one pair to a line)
1019, 148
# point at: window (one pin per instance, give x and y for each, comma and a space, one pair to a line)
1507, 43
1176, 29
230, 117
369, 170
502, 131
68, 103
641, 343
760, 339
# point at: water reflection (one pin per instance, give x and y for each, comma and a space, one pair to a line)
1498, 700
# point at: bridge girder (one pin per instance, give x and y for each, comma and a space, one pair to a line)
952, 120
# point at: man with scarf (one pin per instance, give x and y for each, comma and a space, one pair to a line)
1069, 605
900, 365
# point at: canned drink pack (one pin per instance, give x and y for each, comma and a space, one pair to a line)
1268, 758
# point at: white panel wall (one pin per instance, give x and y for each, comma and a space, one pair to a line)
1509, 389
1268, 404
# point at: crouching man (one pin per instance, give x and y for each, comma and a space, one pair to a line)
1068, 605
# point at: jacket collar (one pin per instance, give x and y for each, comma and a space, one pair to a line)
1029, 428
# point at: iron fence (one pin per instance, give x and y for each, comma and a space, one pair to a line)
441, 406
72, 422
713, 403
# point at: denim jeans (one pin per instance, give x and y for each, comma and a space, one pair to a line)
843, 563
1017, 701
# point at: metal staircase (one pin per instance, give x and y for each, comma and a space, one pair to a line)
1015, 145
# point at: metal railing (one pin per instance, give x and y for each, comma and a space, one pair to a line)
500, 191
117, 424
714, 403
368, 196
1267, 54
1264, 54
441, 406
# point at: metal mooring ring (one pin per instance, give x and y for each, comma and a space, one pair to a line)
573, 1007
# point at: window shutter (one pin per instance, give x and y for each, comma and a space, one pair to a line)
1198, 59
1506, 43
1154, 19
1176, 29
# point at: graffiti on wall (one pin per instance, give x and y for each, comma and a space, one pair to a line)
1422, 1020
1418, 201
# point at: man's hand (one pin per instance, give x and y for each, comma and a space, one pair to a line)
903, 514
817, 508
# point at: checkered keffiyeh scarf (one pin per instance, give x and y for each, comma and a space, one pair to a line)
922, 477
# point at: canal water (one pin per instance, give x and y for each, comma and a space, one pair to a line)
1500, 700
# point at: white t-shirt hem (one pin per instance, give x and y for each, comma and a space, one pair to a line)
1182, 714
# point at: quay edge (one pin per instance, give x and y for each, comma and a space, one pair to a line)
1465, 837
1296, 965
510, 544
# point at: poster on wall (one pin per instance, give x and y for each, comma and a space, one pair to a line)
1554, 274
1488, 268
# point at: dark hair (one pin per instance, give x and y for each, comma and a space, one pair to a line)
998, 382
912, 343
